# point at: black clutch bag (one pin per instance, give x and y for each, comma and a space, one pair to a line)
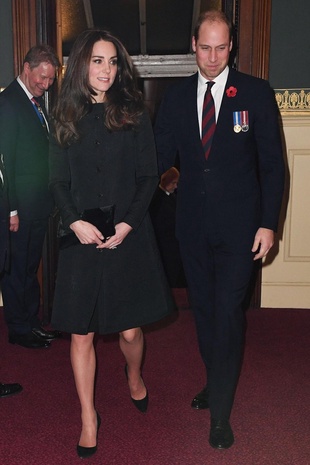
102, 218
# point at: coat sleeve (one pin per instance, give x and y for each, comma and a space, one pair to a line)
166, 145
146, 173
270, 157
59, 183
8, 144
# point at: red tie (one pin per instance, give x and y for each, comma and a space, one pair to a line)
208, 120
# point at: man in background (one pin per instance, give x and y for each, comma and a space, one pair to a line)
163, 213
224, 125
14, 388
24, 145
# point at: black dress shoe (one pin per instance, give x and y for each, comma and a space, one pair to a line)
29, 340
141, 404
201, 400
221, 435
46, 335
85, 452
7, 390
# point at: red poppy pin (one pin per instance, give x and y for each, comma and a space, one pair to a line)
231, 91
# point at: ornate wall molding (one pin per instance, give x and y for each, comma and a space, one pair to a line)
286, 270
293, 100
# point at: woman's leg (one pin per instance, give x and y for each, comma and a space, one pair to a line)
83, 361
131, 343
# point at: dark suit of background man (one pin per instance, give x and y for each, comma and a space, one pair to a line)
227, 205
14, 388
163, 211
24, 144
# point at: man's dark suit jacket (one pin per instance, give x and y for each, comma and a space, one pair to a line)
24, 144
240, 185
4, 217
163, 213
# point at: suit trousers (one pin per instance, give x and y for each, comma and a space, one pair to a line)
20, 286
218, 277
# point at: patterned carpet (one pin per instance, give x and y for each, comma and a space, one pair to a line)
41, 426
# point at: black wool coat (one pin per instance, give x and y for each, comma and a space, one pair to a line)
105, 168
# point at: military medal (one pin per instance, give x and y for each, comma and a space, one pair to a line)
245, 121
241, 121
237, 121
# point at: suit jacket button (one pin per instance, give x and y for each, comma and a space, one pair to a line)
97, 142
207, 170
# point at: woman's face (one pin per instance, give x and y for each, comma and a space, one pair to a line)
102, 68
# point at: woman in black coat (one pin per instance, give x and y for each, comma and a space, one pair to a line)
102, 155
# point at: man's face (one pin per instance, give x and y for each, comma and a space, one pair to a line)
212, 48
171, 187
39, 79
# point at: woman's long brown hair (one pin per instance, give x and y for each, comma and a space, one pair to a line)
124, 102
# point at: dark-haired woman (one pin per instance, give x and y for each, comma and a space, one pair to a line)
103, 154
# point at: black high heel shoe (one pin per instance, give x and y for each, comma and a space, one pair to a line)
85, 452
141, 404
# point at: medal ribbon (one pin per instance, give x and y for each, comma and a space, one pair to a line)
237, 118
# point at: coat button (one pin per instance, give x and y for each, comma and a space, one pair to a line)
207, 170
97, 142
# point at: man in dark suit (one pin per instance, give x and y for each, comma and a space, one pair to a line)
162, 211
24, 145
229, 199
13, 388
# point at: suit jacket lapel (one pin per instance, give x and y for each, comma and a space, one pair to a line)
229, 103
24, 100
191, 105
228, 106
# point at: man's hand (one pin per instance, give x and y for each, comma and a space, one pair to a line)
263, 241
14, 223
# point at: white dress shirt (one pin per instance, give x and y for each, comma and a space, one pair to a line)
217, 91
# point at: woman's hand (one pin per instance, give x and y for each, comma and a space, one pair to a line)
86, 232
121, 231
